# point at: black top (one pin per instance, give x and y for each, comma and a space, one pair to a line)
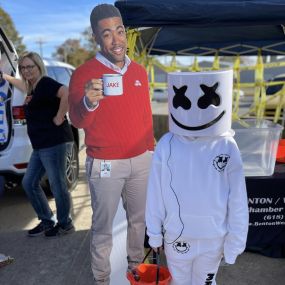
40, 111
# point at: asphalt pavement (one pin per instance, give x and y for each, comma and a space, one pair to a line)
66, 260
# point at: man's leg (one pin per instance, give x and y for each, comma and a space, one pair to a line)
105, 198
134, 199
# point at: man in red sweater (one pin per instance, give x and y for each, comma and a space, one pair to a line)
119, 139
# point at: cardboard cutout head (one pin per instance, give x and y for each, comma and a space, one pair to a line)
200, 103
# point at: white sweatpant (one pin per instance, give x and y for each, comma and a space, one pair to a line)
194, 262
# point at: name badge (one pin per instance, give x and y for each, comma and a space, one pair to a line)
105, 168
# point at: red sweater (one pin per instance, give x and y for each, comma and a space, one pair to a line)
121, 126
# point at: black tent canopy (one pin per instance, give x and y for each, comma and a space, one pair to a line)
195, 27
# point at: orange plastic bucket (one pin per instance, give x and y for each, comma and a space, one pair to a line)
280, 156
147, 275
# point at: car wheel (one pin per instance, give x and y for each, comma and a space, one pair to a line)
72, 167
72, 171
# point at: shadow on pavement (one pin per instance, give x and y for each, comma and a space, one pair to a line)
66, 260
37, 260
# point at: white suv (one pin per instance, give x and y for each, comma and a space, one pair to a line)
15, 146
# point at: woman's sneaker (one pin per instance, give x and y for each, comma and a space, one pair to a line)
5, 260
58, 230
39, 229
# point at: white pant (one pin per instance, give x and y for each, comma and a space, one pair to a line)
194, 262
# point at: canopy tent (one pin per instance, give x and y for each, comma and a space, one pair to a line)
195, 27
209, 27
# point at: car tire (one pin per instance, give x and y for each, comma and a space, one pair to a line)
72, 171
72, 167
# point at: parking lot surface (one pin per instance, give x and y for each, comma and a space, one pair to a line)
66, 260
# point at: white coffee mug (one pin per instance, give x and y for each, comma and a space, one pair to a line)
112, 84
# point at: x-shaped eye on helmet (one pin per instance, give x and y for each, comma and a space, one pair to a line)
210, 96
179, 99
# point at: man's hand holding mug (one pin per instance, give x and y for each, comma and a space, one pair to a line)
94, 91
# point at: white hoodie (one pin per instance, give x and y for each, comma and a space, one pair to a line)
197, 190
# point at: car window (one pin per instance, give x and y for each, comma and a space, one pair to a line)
61, 74
50, 72
70, 71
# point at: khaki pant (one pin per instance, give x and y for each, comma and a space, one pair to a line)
128, 179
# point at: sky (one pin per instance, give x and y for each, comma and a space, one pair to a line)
49, 21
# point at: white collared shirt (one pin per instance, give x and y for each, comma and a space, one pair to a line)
111, 65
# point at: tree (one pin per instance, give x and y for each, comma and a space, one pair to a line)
72, 52
8, 27
75, 53
89, 42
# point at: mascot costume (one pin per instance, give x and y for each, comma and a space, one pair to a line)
196, 200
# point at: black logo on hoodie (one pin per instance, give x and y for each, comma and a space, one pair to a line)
220, 162
181, 246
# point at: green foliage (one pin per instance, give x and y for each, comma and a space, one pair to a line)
8, 27
75, 53
72, 52
89, 42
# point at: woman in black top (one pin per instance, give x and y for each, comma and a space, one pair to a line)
51, 136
